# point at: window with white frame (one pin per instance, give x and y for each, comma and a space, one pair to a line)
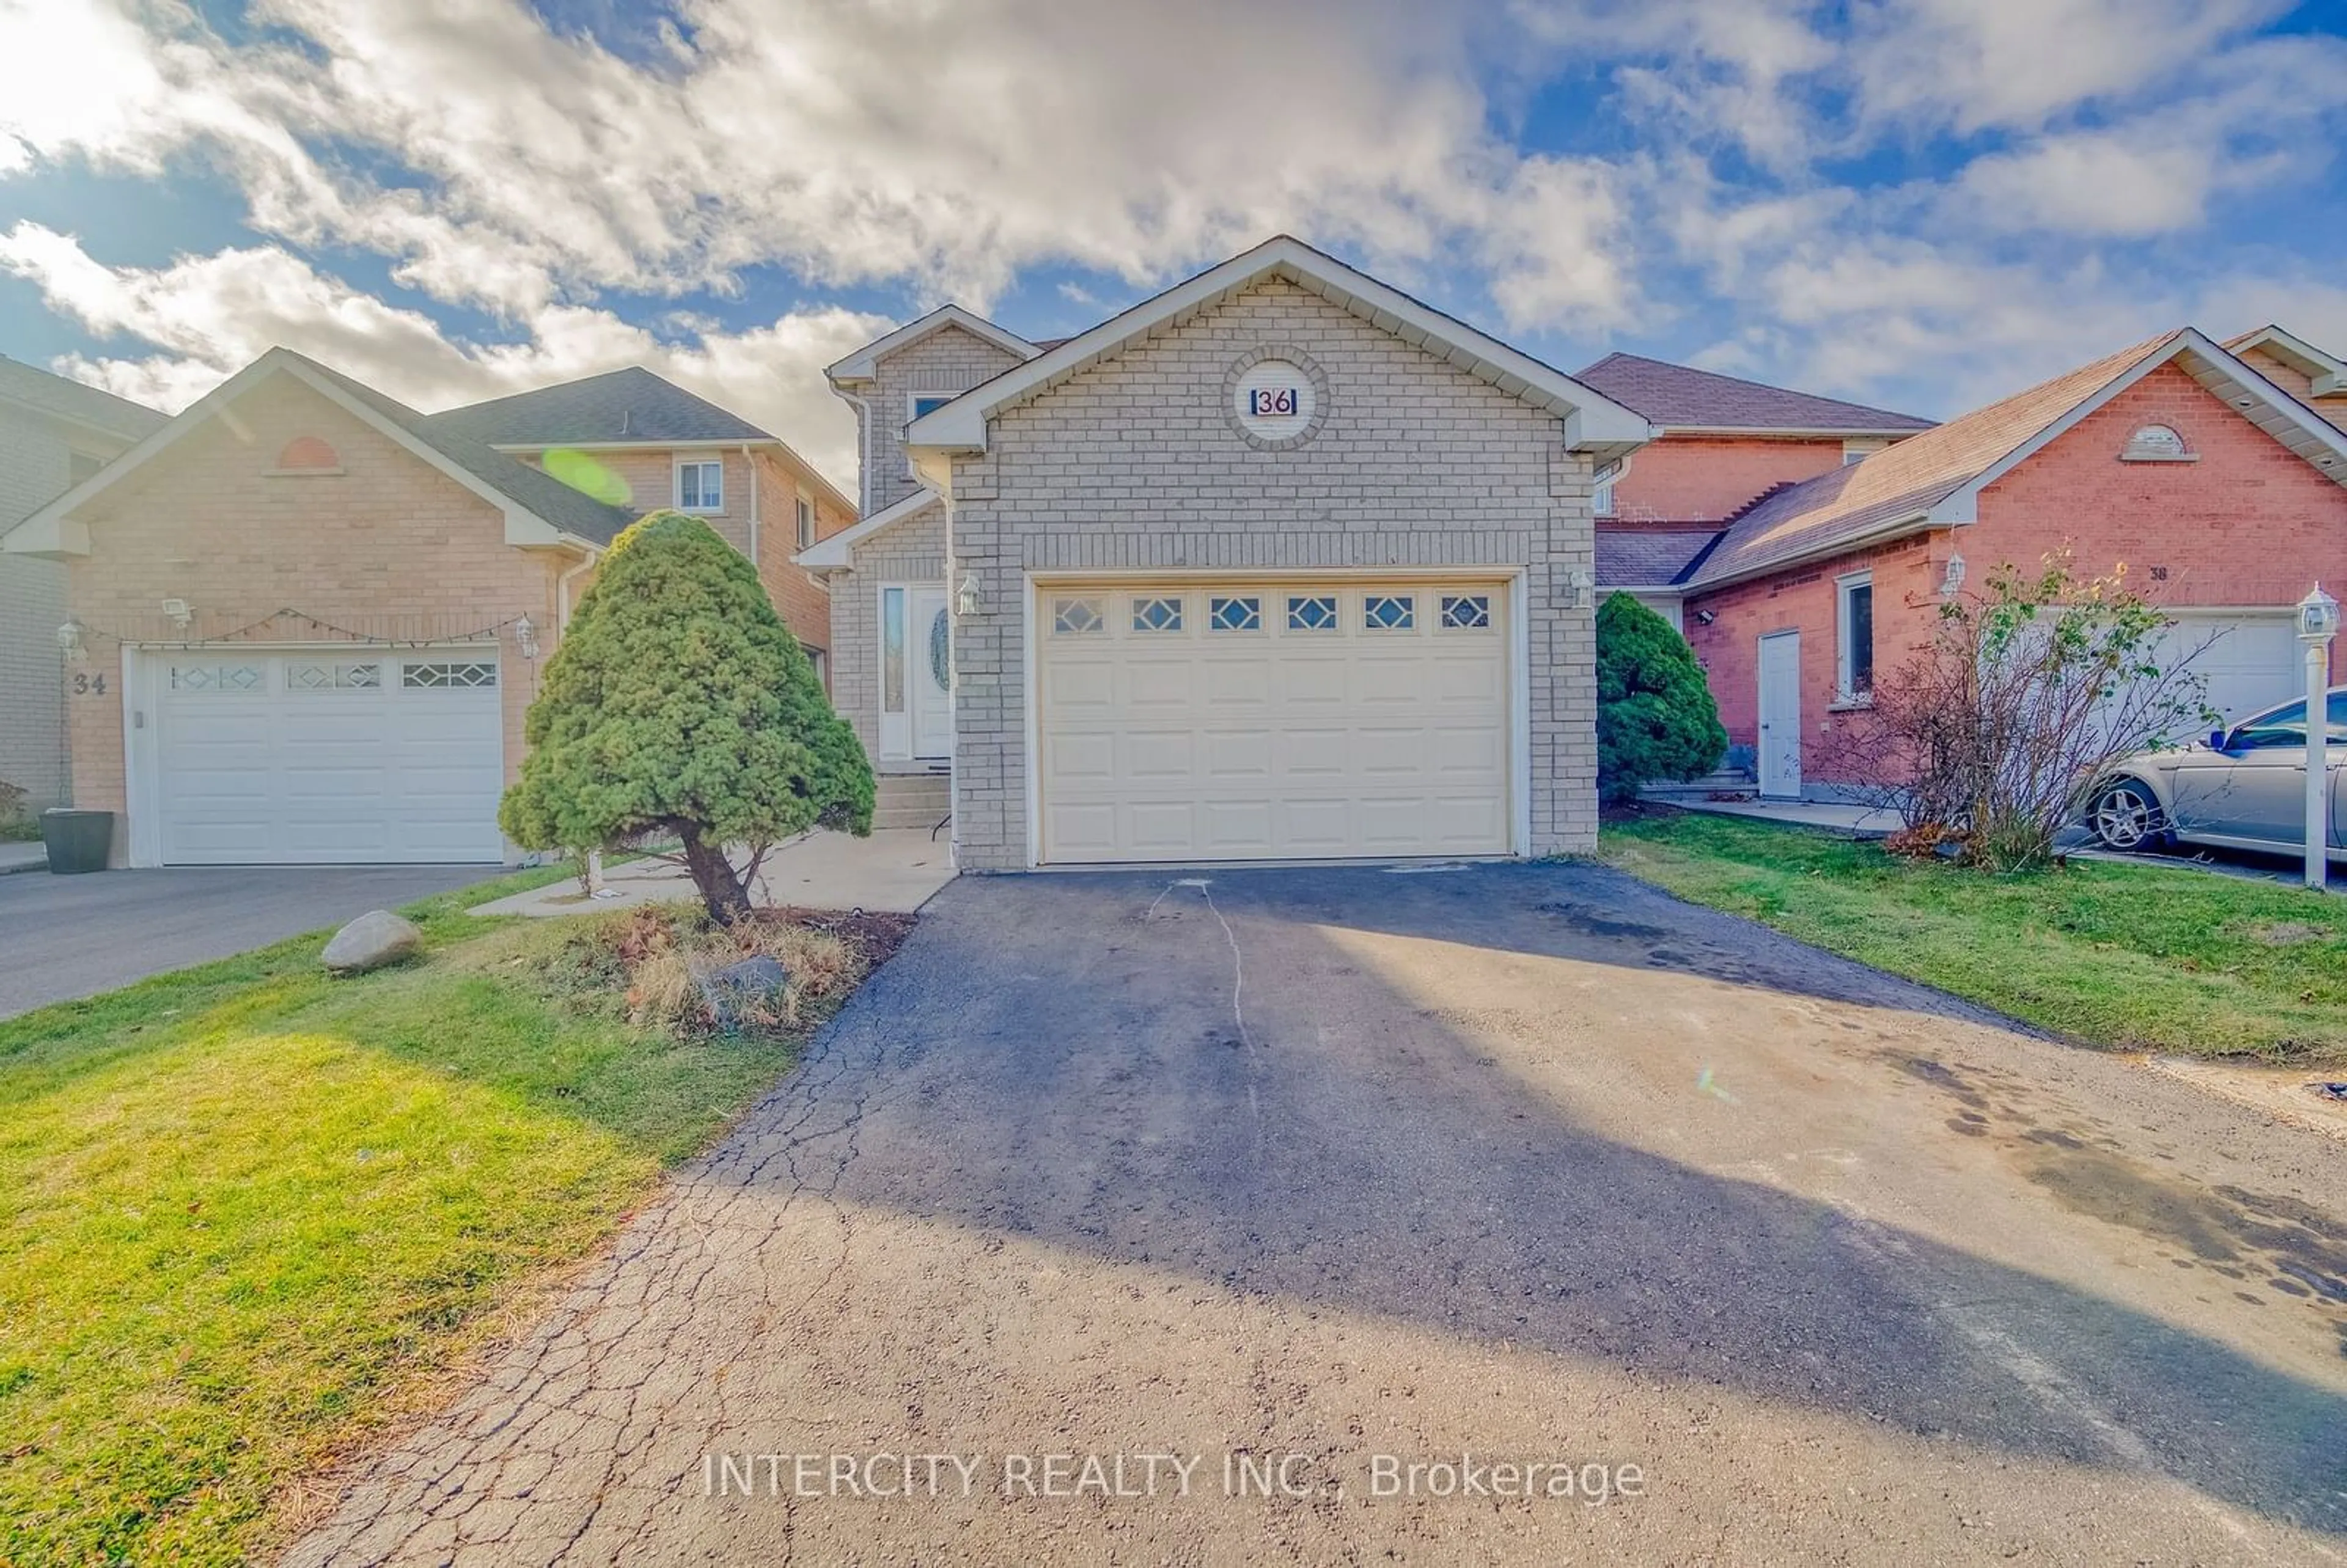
918, 403
806, 522
701, 486
1854, 636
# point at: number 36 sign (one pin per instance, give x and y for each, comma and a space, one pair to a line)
1271, 401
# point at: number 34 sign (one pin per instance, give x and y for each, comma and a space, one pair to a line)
1271, 401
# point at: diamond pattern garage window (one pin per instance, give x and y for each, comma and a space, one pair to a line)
1466, 611
333, 677
1389, 612
216, 678
1077, 617
1311, 612
1234, 614
437, 677
1157, 615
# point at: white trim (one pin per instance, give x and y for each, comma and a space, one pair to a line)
1845, 689
1030, 685
1496, 572
940, 394
1962, 506
1592, 423
1520, 709
804, 518
837, 553
142, 785
677, 465
52, 530
862, 365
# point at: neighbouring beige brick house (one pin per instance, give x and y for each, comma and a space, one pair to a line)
53, 434
1281, 564
310, 618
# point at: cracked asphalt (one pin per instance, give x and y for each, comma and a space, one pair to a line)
1528, 1163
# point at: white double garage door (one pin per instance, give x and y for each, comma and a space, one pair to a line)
1290, 718
316, 756
2247, 661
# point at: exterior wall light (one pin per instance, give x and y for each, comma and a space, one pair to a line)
966, 597
526, 634
177, 612
69, 642
1584, 588
1952, 582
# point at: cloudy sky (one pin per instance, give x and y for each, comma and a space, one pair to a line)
1923, 203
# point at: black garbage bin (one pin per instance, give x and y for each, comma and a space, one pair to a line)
77, 840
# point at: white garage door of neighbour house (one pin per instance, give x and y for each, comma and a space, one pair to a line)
1281, 719
2248, 662
325, 756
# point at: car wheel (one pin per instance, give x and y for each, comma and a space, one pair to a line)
2125, 817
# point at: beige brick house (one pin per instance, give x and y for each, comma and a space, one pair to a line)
310, 620
1281, 564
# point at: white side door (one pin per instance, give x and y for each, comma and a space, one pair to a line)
1780, 713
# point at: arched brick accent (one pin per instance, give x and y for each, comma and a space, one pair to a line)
308, 451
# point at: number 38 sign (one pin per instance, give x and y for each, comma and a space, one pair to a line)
1272, 402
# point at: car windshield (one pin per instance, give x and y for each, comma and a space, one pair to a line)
2291, 720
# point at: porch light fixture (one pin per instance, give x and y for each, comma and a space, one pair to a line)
1585, 588
966, 602
69, 642
1951, 582
525, 635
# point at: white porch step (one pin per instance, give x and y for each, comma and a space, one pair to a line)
912, 800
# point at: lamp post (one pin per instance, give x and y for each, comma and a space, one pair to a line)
2318, 623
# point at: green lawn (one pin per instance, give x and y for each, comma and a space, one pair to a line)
2108, 954
245, 1210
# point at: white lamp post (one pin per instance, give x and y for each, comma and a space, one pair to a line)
2318, 623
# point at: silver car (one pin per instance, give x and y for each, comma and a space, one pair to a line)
2244, 787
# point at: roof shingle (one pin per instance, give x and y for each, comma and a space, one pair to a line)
1905, 480
67, 399
1648, 558
627, 404
1679, 397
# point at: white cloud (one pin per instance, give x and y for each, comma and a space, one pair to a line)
212, 315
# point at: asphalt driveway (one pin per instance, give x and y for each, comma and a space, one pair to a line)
61, 937
1318, 1176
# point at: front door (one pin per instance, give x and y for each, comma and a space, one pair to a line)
1780, 715
931, 657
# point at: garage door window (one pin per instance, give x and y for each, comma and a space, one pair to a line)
433, 677
1234, 614
216, 678
1466, 611
332, 677
1157, 615
1077, 617
1311, 612
1389, 612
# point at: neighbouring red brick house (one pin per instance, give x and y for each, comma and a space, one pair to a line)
1724, 441
2215, 476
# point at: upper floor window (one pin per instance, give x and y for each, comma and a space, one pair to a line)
1854, 636
920, 403
806, 522
701, 486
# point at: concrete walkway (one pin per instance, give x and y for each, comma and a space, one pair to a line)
896, 869
32, 856
1864, 820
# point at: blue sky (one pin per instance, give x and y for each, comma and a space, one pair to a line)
1922, 203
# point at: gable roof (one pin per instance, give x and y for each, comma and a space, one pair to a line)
1593, 423
836, 553
863, 363
538, 508
2325, 371
1936, 477
627, 405
1679, 397
75, 403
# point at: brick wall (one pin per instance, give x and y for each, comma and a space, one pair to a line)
32, 471
798, 594
1133, 465
1710, 476
912, 551
389, 548
947, 360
